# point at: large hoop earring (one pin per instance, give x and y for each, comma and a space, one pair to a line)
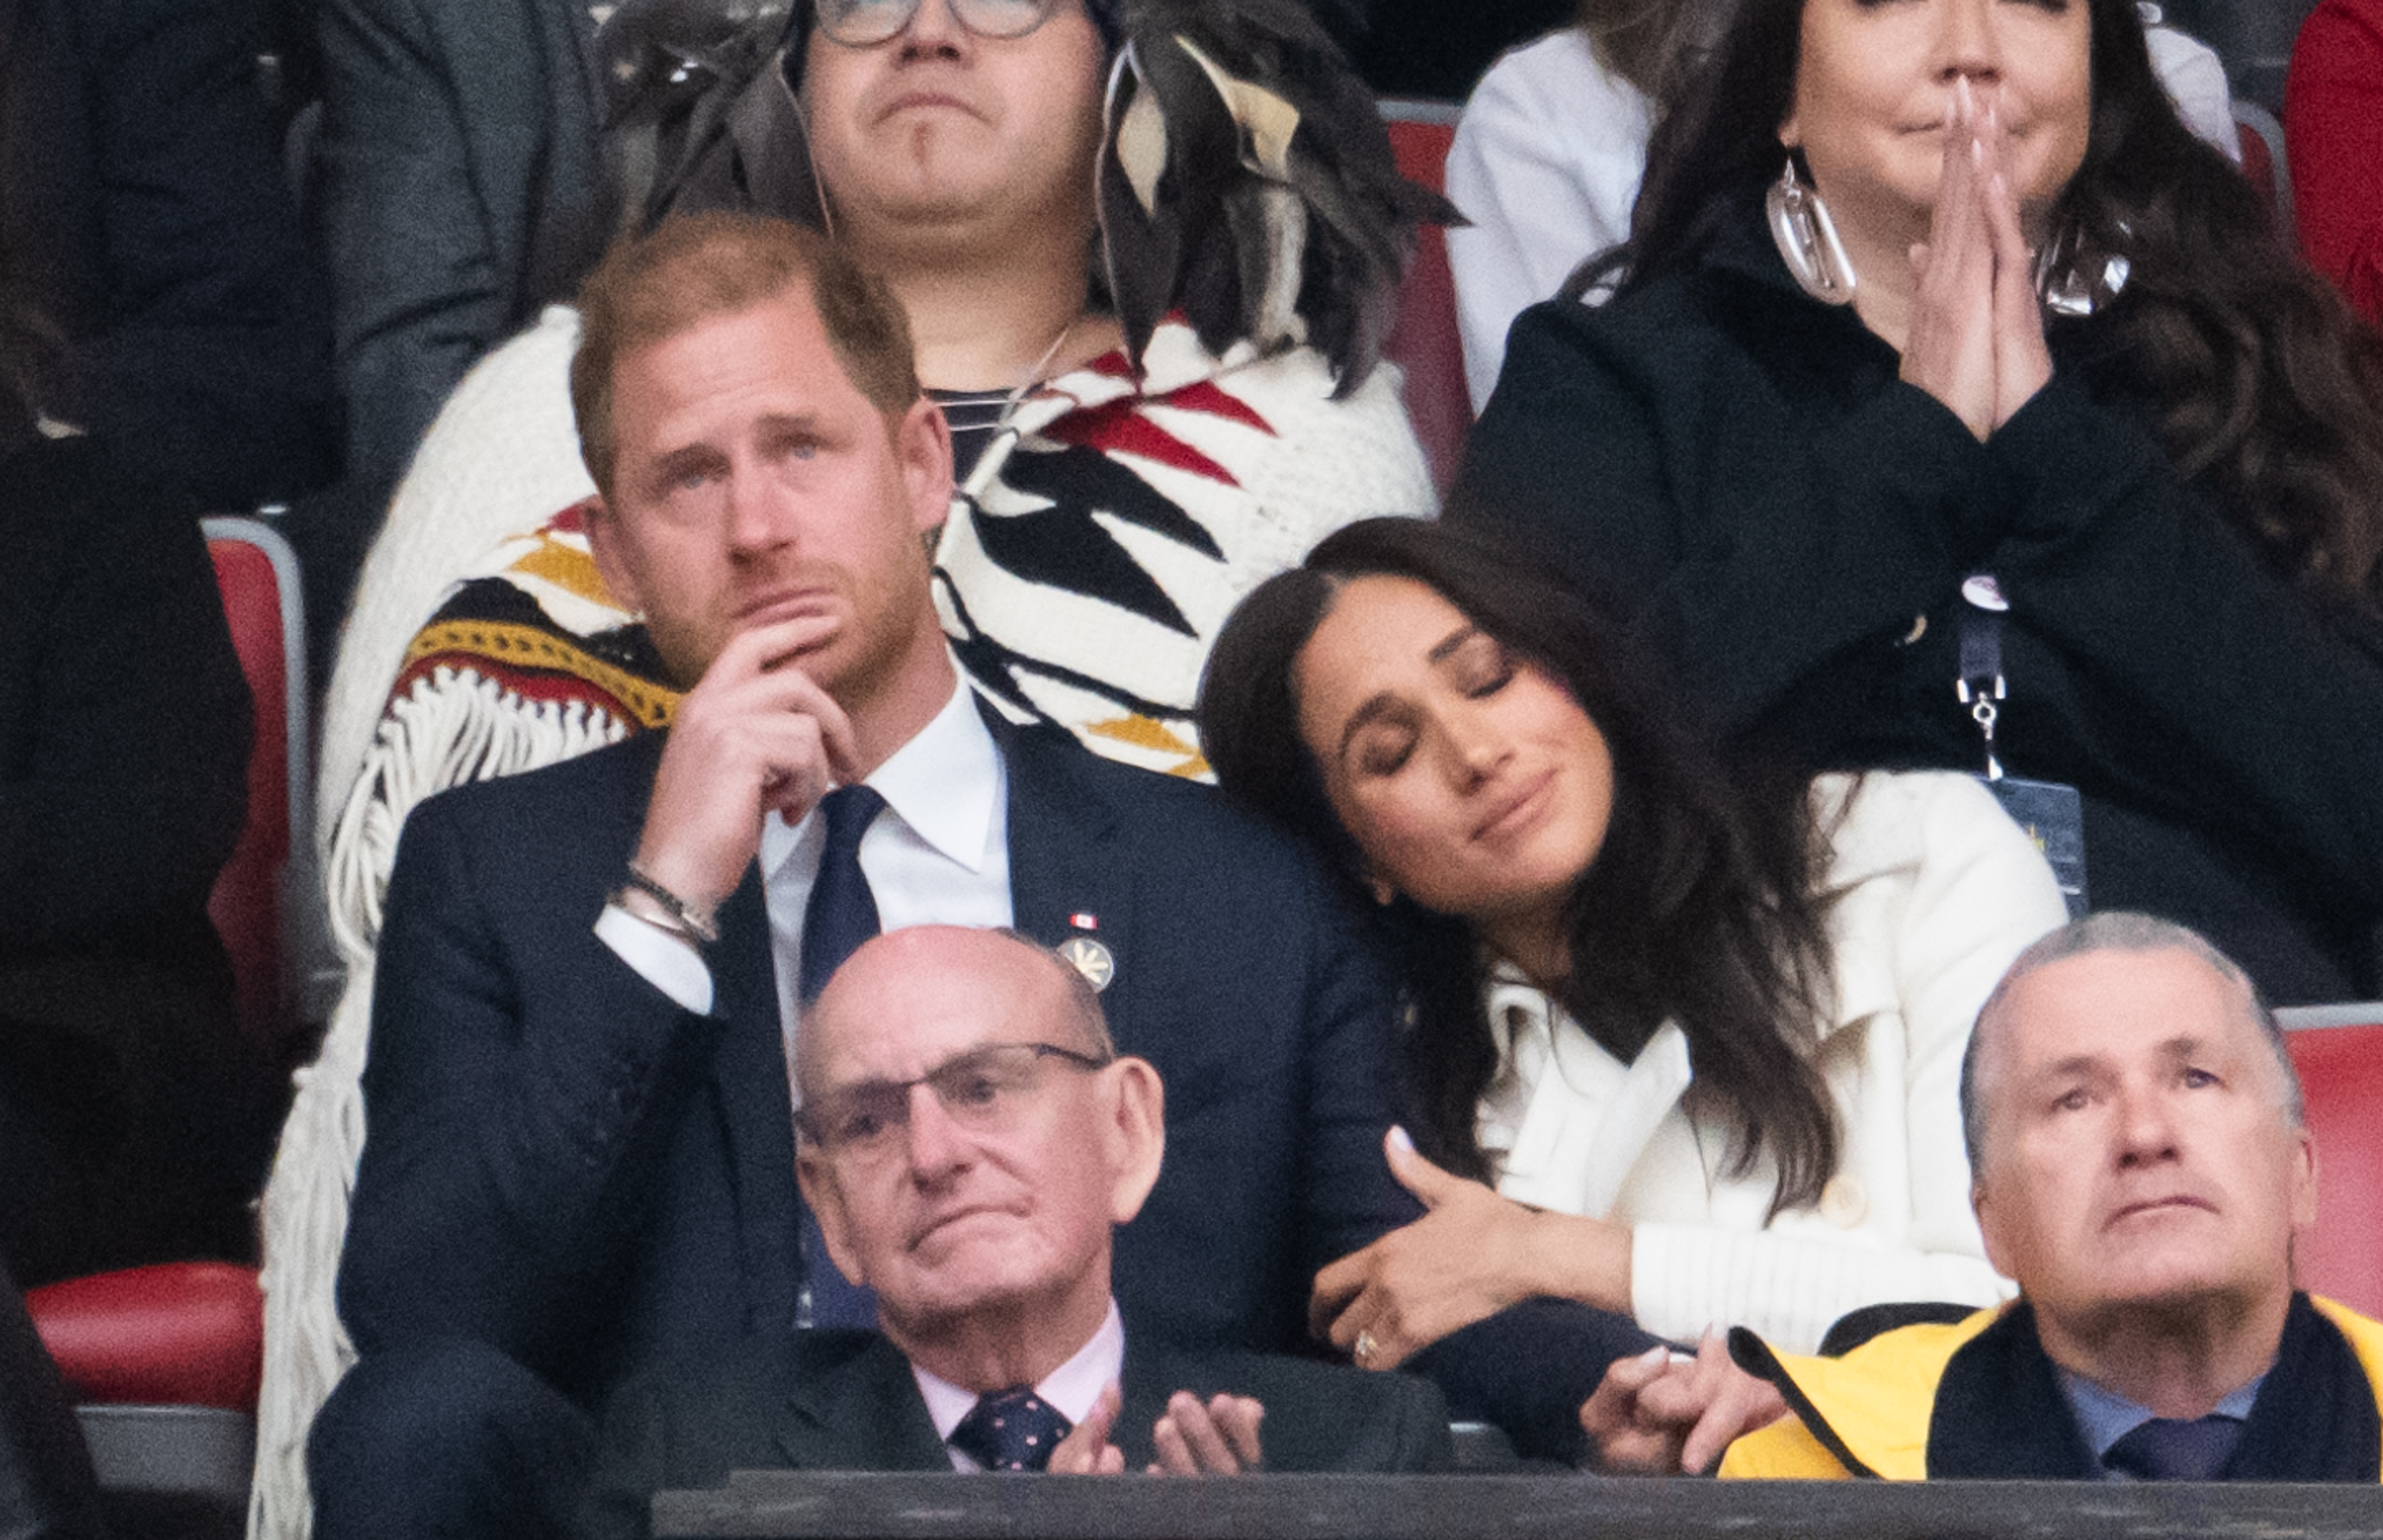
2071, 280
1807, 238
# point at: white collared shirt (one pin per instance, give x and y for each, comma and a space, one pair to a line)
1071, 1388
938, 855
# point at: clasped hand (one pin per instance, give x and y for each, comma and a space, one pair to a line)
756, 735
1471, 1255
1975, 337
1214, 1437
1657, 1415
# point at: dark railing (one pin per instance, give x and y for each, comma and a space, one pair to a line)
855, 1507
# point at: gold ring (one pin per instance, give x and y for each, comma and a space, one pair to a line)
1365, 1346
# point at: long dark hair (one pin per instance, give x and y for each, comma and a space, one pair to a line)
2258, 381
1700, 907
33, 348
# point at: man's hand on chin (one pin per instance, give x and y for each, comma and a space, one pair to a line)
755, 735
1218, 1437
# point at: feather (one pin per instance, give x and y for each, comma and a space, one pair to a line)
699, 113
1278, 214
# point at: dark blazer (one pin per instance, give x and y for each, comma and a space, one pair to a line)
566, 1165
143, 176
2000, 1414
455, 191
848, 1401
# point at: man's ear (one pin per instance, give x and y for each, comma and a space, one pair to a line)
1134, 1131
612, 561
2305, 1183
1989, 1224
922, 442
826, 1202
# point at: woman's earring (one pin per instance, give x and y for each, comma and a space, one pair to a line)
1807, 238
2072, 281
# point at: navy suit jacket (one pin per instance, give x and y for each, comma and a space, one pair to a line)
563, 1163
847, 1401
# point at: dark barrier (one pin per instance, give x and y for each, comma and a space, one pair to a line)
852, 1507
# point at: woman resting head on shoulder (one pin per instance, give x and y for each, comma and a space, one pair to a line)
1683, 1047
1922, 289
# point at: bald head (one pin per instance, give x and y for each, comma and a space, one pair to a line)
967, 1140
1001, 961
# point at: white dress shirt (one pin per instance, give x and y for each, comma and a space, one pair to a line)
939, 854
1071, 1388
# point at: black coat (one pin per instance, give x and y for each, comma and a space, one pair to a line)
146, 179
129, 1120
1739, 470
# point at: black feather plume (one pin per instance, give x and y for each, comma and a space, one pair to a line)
1210, 204
698, 114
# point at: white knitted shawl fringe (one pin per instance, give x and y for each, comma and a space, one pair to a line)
451, 727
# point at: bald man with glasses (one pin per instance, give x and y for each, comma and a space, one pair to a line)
969, 1139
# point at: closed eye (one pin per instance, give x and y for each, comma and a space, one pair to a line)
1385, 750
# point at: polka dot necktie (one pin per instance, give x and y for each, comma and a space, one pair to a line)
1010, 1430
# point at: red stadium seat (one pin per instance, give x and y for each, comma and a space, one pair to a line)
2339, 1050
1424, 340
166, 1360
258, 574
179, 1334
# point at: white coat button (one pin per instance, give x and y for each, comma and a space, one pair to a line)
1842, 1201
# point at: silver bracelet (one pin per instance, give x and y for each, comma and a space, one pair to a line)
697, 923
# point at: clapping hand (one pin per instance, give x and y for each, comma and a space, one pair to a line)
1217, 1436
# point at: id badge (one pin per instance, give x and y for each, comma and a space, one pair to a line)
2054, 817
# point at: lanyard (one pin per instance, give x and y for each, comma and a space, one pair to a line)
1980, 682
2052, 814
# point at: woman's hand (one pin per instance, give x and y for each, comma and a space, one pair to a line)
1975, 336
1473, 1254
1656, 1415
2022, 362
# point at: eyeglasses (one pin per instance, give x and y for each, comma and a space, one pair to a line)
866, 23
983, 1090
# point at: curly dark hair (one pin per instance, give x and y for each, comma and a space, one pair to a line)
2258, 381
1701, 908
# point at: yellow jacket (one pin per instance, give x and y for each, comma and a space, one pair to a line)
1870, 1412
